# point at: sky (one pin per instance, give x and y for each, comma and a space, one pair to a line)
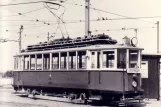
37, 21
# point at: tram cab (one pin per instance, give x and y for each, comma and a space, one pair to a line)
114, 58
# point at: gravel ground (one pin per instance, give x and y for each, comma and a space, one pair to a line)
10, 99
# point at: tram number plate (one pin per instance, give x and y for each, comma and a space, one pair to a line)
133, 70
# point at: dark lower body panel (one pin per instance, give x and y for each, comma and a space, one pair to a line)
107, 84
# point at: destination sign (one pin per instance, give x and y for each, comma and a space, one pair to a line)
133, 70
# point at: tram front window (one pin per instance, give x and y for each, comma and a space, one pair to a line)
133, 58
121, 58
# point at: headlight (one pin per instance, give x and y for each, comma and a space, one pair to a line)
134, 84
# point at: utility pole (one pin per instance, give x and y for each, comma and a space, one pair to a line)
20, 38
157, 36
87, 17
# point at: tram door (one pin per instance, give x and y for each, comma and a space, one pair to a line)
95, 66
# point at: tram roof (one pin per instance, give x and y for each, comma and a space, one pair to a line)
91, 48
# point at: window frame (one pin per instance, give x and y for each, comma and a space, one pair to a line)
87, 56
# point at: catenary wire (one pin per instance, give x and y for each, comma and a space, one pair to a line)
24, 3
110, 12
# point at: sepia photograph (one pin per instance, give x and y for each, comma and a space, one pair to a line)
80, 53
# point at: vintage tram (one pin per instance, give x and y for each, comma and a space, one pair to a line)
93, 67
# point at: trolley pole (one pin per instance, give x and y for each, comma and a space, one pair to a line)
157, 36
20, 38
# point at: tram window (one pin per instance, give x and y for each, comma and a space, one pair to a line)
93, 60
108, 59
63, 60
82, 60
72, 60
133, 57
19, 63
46, 61
39, 62
26, 61
121, 58
55, 61
32, 62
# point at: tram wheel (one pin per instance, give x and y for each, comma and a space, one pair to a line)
33, 93
28, 91
83, 98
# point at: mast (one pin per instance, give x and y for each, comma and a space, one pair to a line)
87, 17
20, 38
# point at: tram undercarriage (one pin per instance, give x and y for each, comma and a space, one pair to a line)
83, 96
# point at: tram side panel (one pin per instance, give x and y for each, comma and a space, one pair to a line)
94, 80
107, 81
63, 79
112, 81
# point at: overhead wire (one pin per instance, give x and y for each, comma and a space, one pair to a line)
73, 21
23, 13
31, 27
13, 4
108, 30
96, 11
123, 29
17, 25
109, 12
122, 15
79, 20
111, 30
20, 14
145, 17
108, 19
34, 10
55, 23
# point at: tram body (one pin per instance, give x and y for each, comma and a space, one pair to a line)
108, 71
